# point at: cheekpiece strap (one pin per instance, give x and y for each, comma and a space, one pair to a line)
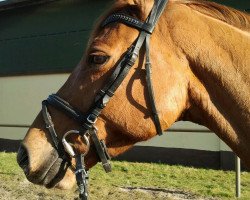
101, 151
49, 124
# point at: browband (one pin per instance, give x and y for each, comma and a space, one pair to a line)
130, 21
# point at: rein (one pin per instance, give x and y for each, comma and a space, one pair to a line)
88, 120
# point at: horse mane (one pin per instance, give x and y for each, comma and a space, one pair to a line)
226, 14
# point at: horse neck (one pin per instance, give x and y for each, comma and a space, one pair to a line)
219, 59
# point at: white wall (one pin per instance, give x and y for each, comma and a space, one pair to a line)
20, 102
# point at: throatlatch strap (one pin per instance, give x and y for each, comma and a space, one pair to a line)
148, 68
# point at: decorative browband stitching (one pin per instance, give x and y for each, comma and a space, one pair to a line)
128, 20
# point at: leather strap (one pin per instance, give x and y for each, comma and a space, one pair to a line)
130, 21
49, 125
65, 107
81, 177
148, 68
101, 151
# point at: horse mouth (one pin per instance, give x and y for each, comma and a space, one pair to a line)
49, 174
53, 175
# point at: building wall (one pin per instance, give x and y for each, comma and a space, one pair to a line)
20, 100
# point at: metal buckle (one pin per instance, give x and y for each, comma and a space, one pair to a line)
68, 147
48, 126
93, 120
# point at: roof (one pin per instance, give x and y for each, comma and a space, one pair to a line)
10, 4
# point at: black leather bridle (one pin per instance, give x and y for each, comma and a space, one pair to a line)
88, 120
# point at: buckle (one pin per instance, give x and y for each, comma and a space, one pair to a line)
91, 119
48, 126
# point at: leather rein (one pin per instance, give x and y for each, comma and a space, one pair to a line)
88, 120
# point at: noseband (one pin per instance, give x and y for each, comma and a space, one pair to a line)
88, 120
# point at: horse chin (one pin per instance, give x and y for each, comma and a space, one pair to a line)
59, 176
56, 175
67, 182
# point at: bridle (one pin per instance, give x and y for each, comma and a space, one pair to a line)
88, 120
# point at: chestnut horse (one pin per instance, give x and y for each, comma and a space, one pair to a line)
200, 53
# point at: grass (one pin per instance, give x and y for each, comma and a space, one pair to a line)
129, 181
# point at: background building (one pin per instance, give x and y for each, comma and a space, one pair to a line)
40, 45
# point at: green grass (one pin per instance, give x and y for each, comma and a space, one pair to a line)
170, 180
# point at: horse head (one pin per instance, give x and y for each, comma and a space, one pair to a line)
127, 119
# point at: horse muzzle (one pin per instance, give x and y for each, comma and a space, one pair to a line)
49, 171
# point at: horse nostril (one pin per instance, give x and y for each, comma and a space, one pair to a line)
22, 157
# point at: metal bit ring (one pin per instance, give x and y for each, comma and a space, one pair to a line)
67, 146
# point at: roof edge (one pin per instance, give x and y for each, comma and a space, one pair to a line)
12, 4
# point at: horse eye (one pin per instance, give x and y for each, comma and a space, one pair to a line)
98, 59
